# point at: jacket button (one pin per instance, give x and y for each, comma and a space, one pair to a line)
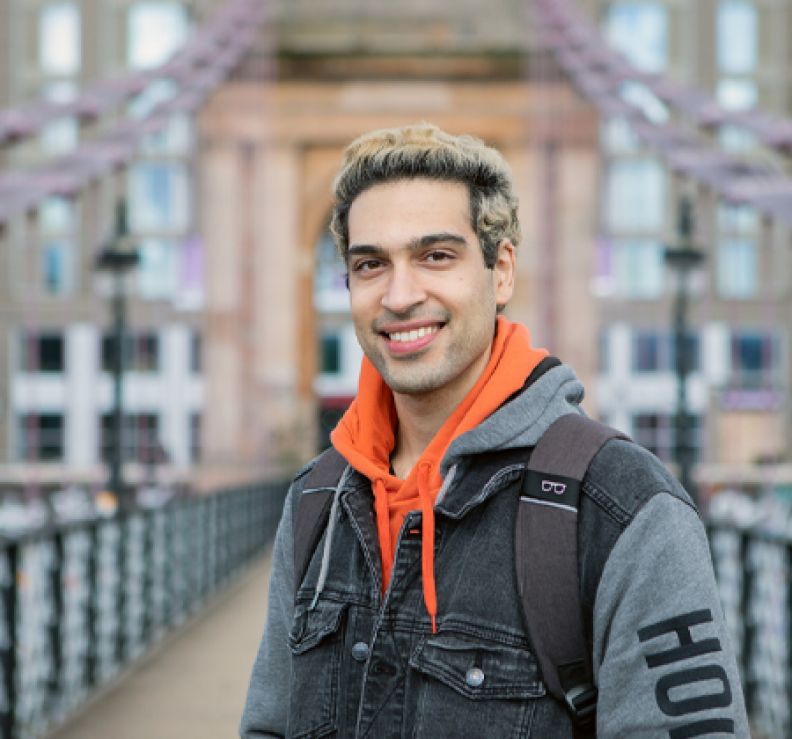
475, 677
360, 651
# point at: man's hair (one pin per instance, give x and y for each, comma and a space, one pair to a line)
424, 151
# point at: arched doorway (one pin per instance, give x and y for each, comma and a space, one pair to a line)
338, 353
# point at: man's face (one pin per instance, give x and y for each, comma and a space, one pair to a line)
423, 301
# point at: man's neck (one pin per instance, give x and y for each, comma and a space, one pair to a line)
419, 421
421, 416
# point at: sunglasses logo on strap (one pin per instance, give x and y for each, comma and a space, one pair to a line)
548, 486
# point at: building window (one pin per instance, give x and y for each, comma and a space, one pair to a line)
639, 269
646, 352
195, 436
43, 352
641, 97
736, 139
141, 353
158, 270
655, 351
40, 437
635, 195
330, 292
655, 432
738, 268
158, 197
639, 30
737, 218
196, 352
330, 353
603, 351
154, 31
140, 438
57, 216
755, 359
617, 136
331, 411
60, 137
59, 38
330, 271
175, 138
737, 94
737, 27
56, 273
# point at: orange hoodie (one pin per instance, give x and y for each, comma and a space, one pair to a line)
365, 436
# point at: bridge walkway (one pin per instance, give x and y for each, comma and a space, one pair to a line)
193, 684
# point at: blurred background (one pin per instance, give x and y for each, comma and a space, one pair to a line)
175, 338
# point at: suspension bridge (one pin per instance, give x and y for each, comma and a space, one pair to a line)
145, 621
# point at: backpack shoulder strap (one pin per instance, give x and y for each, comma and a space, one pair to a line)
313, 509
546, 558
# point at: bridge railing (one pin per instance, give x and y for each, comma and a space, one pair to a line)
80, 602
754, 573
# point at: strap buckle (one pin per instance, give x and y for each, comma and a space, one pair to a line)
581, 701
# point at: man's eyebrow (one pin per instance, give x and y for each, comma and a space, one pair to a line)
420, 242
367, 249
436, 238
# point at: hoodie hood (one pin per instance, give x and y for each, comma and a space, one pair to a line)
522, 420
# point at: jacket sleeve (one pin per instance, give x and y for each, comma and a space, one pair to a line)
663, 661
267, 704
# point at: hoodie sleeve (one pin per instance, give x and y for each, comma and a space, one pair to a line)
267, 704
663, 661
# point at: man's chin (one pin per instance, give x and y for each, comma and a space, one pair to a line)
413, 385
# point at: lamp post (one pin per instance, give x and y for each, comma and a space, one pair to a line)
117, 258
683, 259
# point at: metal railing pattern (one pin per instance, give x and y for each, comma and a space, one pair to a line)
80, 602
754, 573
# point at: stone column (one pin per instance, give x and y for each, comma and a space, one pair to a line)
577, 311
221, 224
283, 335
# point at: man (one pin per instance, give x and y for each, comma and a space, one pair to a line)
408, 621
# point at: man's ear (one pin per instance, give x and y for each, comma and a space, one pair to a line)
504, 271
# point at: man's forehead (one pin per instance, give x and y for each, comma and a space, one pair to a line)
410, 215
429, 201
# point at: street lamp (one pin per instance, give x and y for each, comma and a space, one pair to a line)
118, 258
683, 259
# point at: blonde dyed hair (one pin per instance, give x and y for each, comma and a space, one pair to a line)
424, 151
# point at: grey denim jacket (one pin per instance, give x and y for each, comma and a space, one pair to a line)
341, 660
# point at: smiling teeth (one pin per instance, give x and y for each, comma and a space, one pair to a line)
413, 335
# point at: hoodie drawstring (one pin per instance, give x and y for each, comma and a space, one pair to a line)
328, 543
427, 541
366, 436
381, 510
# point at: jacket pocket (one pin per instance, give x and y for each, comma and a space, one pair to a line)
315, 641
470, 688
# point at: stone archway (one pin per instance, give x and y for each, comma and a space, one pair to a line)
268, 160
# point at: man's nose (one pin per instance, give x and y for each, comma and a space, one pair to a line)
404, 290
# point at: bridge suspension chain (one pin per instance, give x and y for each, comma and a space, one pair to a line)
179, 86
646, 100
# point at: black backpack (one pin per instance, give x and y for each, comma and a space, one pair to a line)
546, 552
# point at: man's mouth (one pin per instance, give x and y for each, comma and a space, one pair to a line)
413, 334
408, 340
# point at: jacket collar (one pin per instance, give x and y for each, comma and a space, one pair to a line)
477, 478
471, 482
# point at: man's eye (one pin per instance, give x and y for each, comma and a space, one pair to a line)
366, 265
438, 256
